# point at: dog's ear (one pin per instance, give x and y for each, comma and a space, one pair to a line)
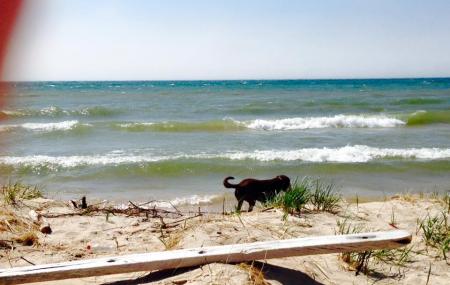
279, 177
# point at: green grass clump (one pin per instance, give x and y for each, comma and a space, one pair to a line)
324, 196
398, 257
357, 261
296, 198
293, 200
436, 232
321, 196
360, 261
13, 193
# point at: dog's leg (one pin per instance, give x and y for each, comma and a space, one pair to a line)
239, 206
251, 204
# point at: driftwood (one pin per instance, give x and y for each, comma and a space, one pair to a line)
132, 210
197, 256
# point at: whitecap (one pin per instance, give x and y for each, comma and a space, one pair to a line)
65, 125
130, 125
346, 154
338, 121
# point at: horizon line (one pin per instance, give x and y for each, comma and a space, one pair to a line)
242, 79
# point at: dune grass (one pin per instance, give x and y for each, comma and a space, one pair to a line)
357, 261
324, 196
293, 200
321, 196
13, 193
360, 261
436, 232
296, 198
28, 238
398, 256
14, 225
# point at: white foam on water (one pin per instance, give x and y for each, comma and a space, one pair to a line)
46, 127
79, 160
186, 201
338, 121
194, 200
128, 125
52, 110
179, 201
346, 154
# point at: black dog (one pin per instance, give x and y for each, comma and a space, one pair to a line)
252, 190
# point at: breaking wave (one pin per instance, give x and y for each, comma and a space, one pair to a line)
46, 127
346, 154
231, 125
338, 121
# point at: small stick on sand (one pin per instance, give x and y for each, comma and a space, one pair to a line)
23, 258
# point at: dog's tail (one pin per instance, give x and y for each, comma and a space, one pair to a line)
228, 184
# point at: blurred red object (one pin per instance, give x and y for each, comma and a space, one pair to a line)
9, 12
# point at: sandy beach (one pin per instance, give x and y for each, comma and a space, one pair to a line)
132, 132
77, 234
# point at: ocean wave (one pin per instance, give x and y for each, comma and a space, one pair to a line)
207, 126
419, 101
346, 154
46, 127
229, 124
338, 121
61, 126
428, 117
54, 111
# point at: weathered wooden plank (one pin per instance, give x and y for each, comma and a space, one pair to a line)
197, 256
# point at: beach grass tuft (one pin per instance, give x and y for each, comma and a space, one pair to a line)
321, 196
357, 261
399, 256
28, 238
360, 261
296, 198
324, 196
13, 193
293, 200
436, 232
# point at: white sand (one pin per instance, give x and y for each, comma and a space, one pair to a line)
124, 235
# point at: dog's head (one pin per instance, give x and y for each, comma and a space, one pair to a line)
283, 182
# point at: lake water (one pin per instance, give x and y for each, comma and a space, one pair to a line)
177, 140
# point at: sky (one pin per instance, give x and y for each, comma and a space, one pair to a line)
230, 39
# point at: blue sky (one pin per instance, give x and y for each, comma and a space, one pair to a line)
169, 40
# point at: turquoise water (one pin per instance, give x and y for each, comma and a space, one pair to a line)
178, 140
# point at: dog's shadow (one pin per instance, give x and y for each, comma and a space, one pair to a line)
271, 272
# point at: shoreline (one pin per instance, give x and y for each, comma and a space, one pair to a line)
96, 234
227, 199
